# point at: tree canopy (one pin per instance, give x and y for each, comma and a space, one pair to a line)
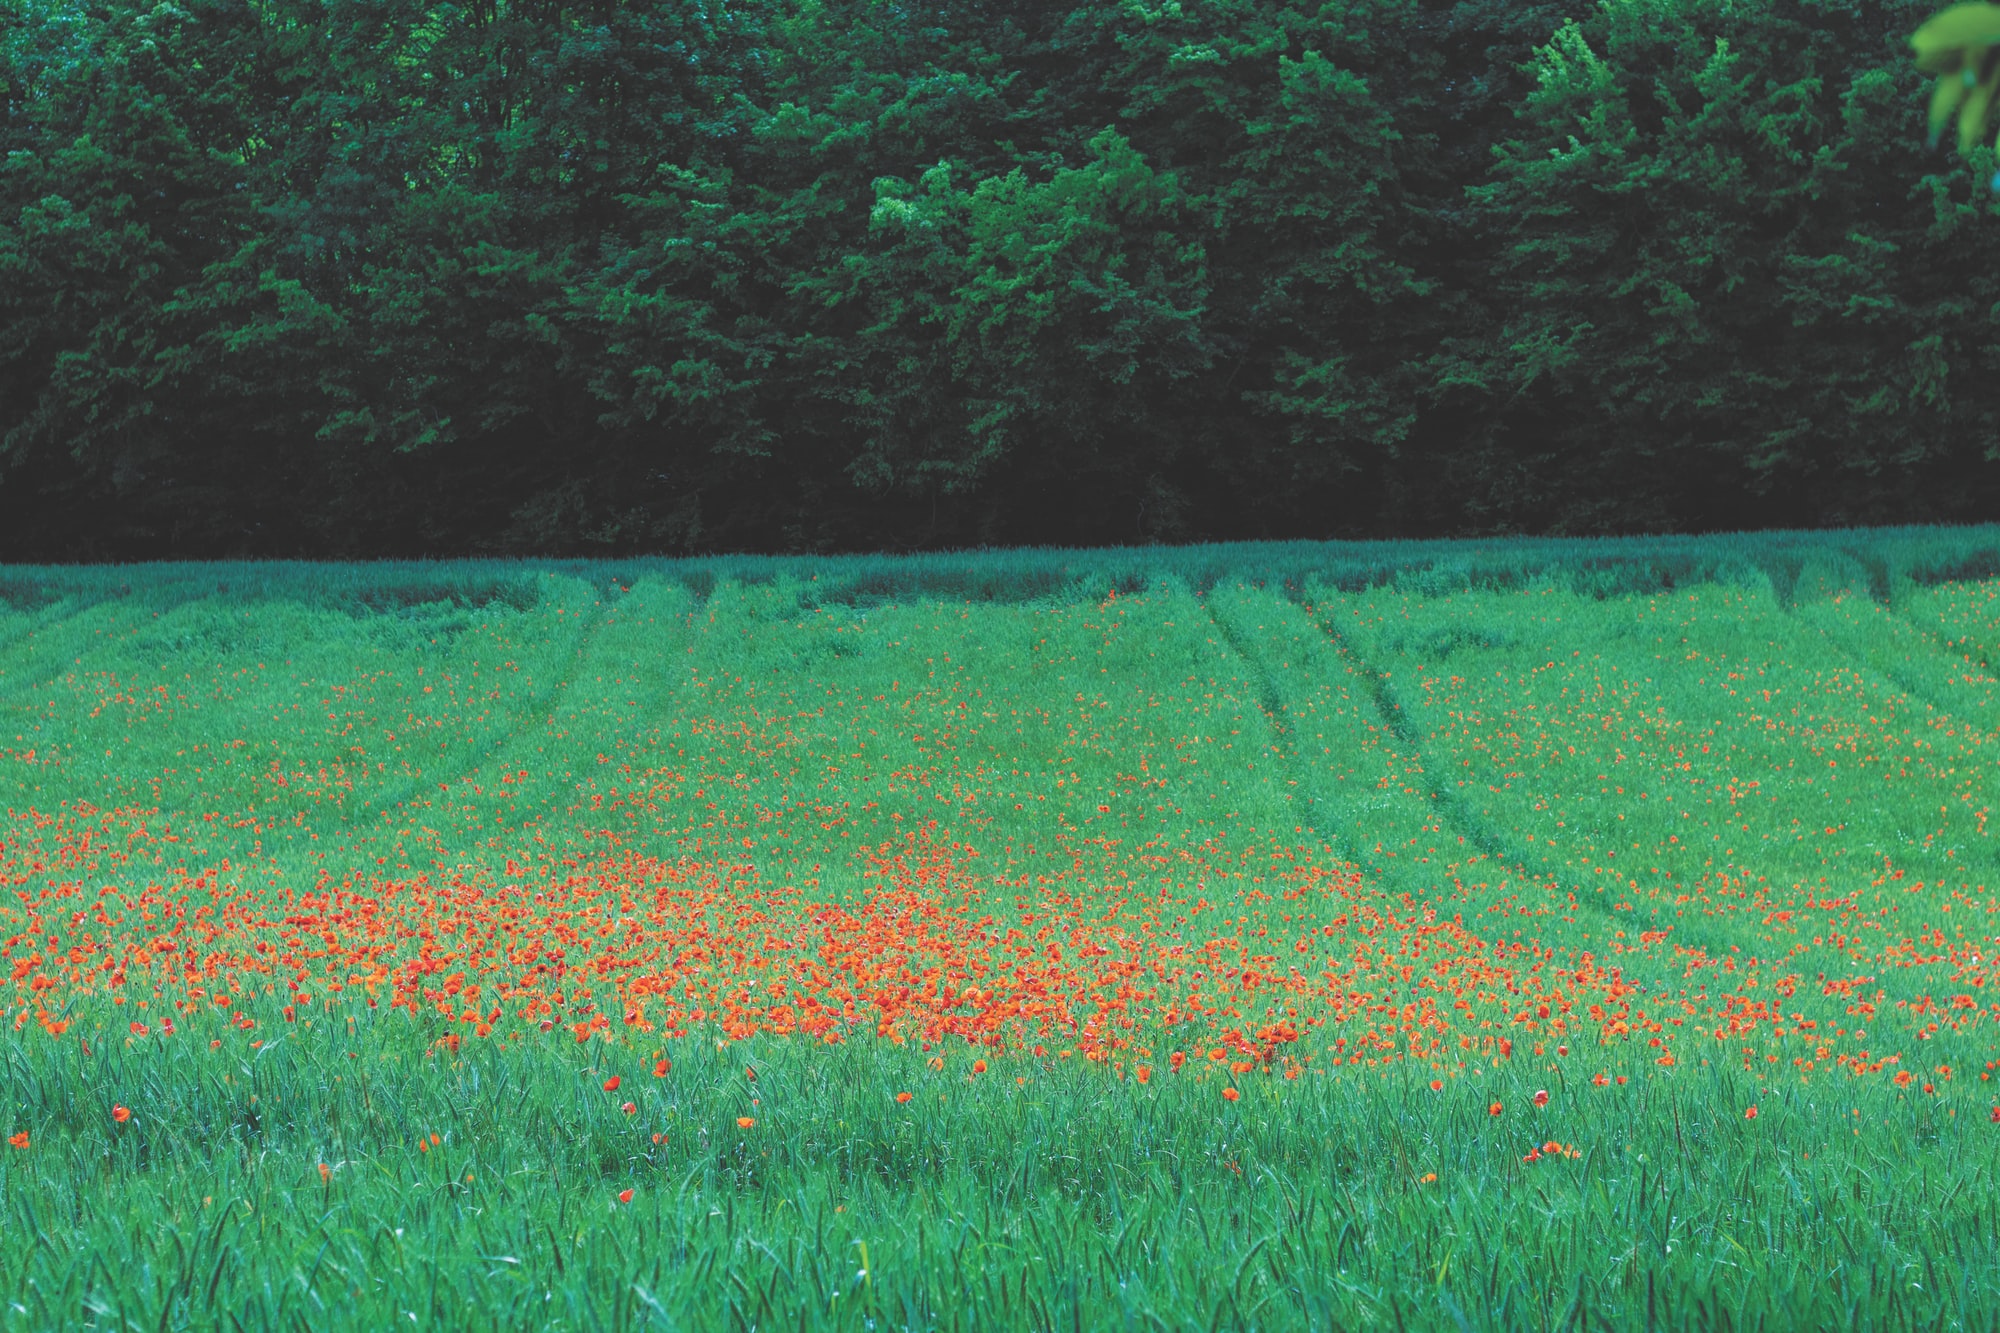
391, 277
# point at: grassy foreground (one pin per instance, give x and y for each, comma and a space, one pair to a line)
772, 947
1073, 1199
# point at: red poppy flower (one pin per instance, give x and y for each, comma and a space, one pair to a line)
1493, 1109
1231, 1094
611, 1084
624, 1196
1750, 1114
121, 1113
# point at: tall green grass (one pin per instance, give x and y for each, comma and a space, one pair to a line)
1071, 1199
1768, 756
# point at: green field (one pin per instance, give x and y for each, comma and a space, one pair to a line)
1177, 939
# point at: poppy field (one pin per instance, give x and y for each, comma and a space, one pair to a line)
582, 946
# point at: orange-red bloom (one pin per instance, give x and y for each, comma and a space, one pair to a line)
1230, 1094
121, 1113
1493, 1109
20, 1140
744, 1121
902, 1096
611, 1084
624, 1196
1143, 1073
1541, 1097
1750, 1114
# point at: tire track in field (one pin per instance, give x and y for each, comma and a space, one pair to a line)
1446, 811
1494, 842
1962, 641
1451, 808
1318, 820
1372, 822
1952, 695
1849, 643
41, 673
537, 713
34, 622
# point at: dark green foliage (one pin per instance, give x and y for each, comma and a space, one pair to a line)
366, 277
1731, 289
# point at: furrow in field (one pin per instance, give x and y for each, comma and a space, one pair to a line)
1691, 757
70, 641
1375, 658
1223, 610
299, 730
1362, 780
17, 627
576, 748
563, 655
1916, 661
818, 731
1964, 618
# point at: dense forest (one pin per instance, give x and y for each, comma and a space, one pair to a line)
404, 277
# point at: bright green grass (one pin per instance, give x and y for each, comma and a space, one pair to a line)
1074, 1200
1738, 741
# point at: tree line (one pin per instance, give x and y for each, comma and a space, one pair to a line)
395, 277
